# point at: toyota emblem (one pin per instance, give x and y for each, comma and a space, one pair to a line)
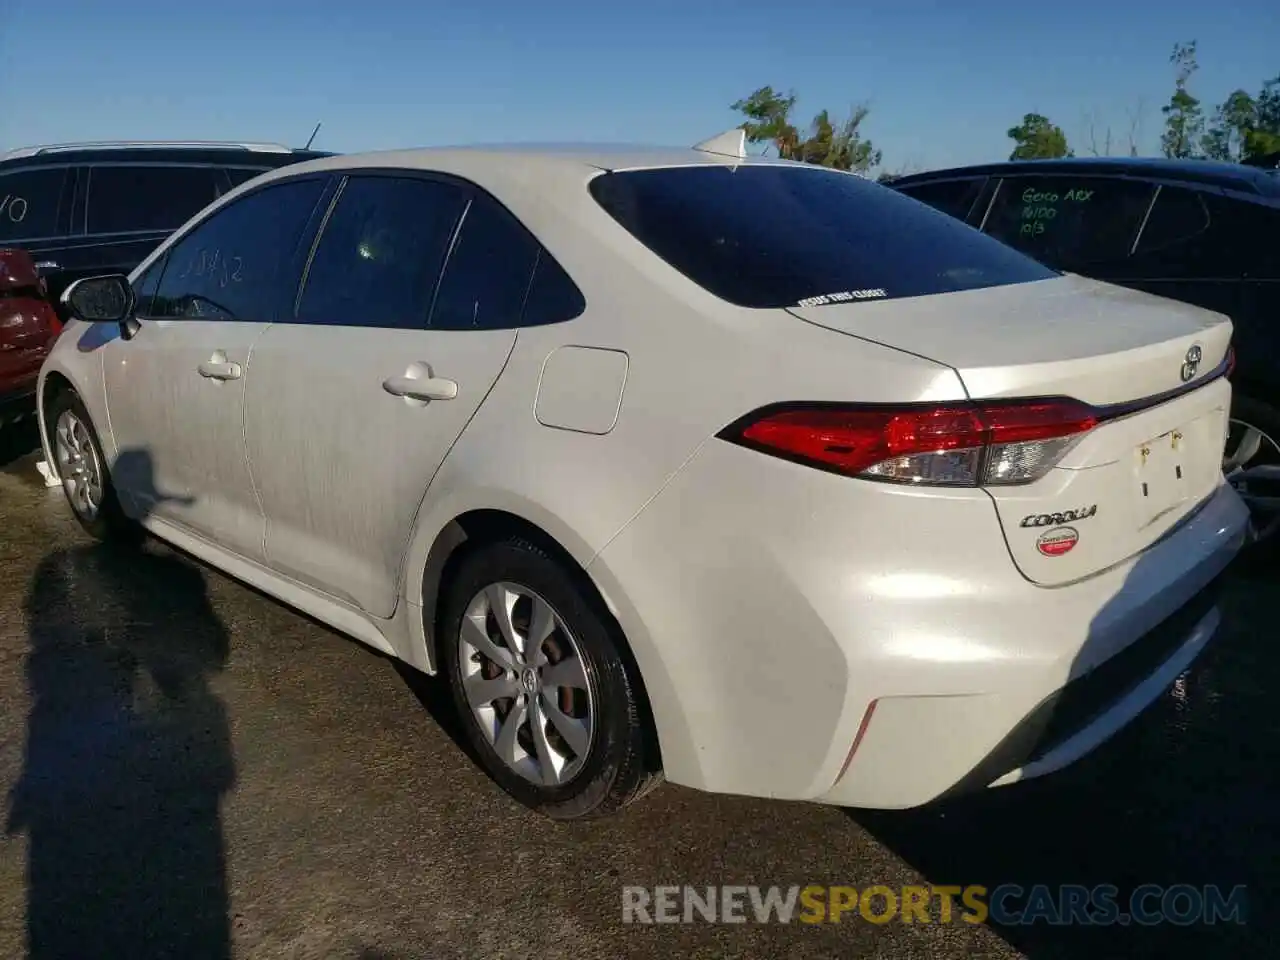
1191, 364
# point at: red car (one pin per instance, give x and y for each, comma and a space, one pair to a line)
28, 328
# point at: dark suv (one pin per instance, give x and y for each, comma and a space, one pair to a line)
1194, 230
87, 208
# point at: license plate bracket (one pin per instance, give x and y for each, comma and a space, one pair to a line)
1160, 469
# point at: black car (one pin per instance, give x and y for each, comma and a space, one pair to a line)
93, 208
1194, 230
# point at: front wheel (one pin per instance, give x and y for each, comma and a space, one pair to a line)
86, 481
547, 697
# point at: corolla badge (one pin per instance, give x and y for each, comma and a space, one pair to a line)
1056, 542
1059, 518
1191, 363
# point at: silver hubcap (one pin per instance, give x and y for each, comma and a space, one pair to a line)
78, 465
526, 683
1247, 444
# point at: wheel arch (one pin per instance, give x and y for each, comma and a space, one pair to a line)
53, 383
477, 527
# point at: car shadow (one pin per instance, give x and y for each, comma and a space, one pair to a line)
128, 756
1184, 797
18, 440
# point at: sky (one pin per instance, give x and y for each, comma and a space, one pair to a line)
944, 80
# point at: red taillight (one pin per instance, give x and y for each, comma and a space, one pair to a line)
951, 444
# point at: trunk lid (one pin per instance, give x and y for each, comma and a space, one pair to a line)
1144, 361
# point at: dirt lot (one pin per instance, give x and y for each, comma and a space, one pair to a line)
193, 771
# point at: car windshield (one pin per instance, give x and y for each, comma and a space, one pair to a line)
782, 235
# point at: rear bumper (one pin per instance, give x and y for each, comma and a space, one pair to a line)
779, 615
1075, 719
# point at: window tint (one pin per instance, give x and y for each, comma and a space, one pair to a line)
1069, 221
123, 199
553, 296
144, 288
29, 203
239, 175
953, 197
380, 255
1177, 216
773, 236
488, 271
235, 265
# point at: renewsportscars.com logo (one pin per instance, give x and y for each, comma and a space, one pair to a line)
1007, 904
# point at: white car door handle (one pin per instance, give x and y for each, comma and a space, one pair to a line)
219, 371
421, 388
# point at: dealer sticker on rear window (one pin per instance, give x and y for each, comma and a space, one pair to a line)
845, 296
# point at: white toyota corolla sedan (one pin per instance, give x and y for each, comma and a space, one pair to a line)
754, 474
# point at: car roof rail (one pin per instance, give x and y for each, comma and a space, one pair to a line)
36, 151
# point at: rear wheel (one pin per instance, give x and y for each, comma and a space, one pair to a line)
86, 481
547, 698
1254, 437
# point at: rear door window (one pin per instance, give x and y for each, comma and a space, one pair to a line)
138, 198
952, 197
1069, 222
764, 235
379, 258
29, 203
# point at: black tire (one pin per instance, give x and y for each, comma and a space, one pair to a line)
110, 524
619, 766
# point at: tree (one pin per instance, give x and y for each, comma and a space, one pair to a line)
768, 114
1263, 138
1228, 132
1107, 144
1037, 139
828, 143
1183, 118
841, 147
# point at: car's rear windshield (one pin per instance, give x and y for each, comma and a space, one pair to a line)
780, 235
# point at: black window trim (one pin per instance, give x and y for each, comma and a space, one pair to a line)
68, 169
470, 188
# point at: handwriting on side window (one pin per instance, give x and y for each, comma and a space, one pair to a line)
13, 208
1038, 208
219, 269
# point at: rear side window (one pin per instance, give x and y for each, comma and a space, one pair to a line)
379, 258
498, 276
1177, 216
126, 199
239, 175
952, 197
553, 296
488, 273
1068, 222
235, 265
29, 203
779, 236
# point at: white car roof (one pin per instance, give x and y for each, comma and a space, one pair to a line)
528, 162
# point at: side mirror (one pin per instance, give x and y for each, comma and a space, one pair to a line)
106, 299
